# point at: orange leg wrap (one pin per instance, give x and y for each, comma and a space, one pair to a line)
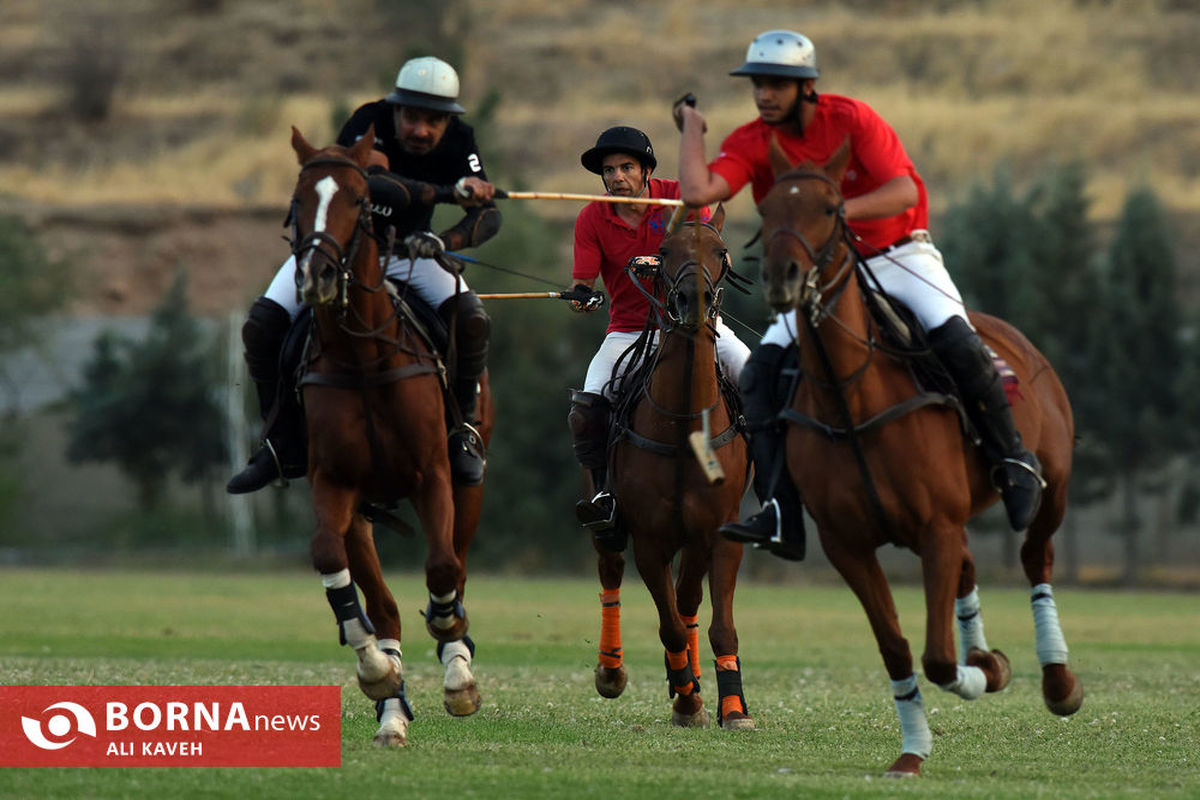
679, 661
610, 629
693, 639
730, 703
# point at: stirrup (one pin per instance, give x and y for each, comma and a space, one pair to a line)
752, 530
599, 513
1033, 469
467, 460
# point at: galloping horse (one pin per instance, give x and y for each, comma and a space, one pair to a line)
665, 501
373, 399
879, 461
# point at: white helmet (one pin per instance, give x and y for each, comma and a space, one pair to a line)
784, 54
427, 82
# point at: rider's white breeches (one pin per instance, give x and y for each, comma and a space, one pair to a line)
731, 352
432, 284
914, 274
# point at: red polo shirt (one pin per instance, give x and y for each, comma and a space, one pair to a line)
604, 244
876, 157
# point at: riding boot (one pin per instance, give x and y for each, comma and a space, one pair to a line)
282, 454
779, 526
1015, 471
589, 421
472, 327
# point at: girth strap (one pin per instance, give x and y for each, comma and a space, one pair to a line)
660, 448
347, 381
899, 410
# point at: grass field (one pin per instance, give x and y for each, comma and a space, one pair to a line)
813, 680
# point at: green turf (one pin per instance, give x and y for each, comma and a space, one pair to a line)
813, 679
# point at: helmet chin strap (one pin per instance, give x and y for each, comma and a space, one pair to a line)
795, 114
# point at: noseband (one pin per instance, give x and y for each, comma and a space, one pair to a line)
320, 243
813, 293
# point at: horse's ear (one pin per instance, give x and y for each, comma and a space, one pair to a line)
836, 166
779, 160
304, 150
718, 217
361, 151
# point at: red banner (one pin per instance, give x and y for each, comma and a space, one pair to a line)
170, 726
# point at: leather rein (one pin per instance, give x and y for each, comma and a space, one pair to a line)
327, 248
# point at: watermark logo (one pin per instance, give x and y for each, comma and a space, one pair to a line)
76, 720
170, 726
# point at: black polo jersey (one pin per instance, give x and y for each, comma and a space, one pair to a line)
455, 156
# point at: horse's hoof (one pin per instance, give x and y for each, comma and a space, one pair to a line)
393, 733
697, 720
737, 721
1062, 691
908, 765
462, 702
610, 681
994, 665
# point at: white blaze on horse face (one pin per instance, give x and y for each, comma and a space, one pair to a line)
326, 188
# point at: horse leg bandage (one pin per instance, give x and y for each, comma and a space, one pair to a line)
354, 628
729, 687
456, 657
692, 626
444, 610
681, 679
969, 683
1051, 645
970, 625
610, 629
915, 736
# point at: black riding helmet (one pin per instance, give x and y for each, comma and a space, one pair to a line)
619, 139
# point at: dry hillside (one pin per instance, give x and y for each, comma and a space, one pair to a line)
190, 166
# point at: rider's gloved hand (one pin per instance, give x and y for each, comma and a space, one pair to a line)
583, 299
424, 244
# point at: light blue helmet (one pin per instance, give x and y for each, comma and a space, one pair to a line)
783, 54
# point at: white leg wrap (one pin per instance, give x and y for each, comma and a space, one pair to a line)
969, 684
447, 621
390, 644
1051, 646
393, 724
357, 636
915, 737
970, 625
456, 658
336, 580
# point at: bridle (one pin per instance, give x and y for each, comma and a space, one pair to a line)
665, 311
819, 300
326, 248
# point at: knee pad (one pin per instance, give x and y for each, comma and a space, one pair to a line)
589, 420
758, 385
263, 334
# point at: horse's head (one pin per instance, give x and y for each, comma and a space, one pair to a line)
804, 226
330, 216
694, 260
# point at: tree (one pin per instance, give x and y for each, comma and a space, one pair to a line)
1137, 406
148, 406
32, 286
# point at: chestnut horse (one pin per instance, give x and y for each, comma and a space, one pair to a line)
879, 461
665, 500
373, 399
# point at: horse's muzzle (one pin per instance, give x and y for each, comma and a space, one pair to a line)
781, 285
